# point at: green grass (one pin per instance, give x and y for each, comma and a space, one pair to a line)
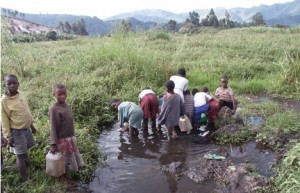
97, 69
288, 179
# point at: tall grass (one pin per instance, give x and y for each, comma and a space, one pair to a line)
288, 179
291, 70
97, 69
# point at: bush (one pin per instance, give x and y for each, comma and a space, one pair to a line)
51, 35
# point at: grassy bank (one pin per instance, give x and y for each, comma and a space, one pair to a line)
97, 69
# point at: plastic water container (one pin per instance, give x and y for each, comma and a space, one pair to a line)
55, 164
185, 124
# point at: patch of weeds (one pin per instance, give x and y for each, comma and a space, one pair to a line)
233, 134
288, 178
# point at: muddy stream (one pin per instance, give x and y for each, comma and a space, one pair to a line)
134, 165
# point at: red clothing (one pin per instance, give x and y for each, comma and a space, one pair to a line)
213, 109
149, 105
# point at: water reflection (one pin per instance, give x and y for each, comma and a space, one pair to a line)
135, 164
147, 147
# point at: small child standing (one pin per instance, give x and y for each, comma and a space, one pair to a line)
62, 133
17, 124
172, 109
225, 95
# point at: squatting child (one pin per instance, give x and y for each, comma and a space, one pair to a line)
225, 95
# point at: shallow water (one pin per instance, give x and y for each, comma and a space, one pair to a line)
255, 120
287, 103
134, 165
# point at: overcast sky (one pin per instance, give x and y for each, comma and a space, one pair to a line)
104, 9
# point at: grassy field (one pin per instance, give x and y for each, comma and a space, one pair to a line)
98, 69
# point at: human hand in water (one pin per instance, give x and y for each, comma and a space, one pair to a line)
53, 148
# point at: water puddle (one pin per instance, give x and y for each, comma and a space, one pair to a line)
287, 103
135, 165
255, 120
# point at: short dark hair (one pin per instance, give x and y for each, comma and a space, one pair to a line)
194, 91
187, 92
204, 89
181, 72
58, 86
224, 77
10, 76
170, 85
115, 101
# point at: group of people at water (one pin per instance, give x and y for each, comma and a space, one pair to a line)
17, 122
177, 102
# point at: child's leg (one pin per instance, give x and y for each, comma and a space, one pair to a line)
153, 123
131, 131
174, 134
159, 127
145, 125
170, 132
136, 131
21, 162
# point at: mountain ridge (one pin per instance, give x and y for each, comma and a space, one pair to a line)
287, 14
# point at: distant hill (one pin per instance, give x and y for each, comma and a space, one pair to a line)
152, 15
20, 26
94, 25
280, 13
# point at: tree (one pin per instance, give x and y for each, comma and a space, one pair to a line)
212, 19
125, 26
226, 23
227, 16
68, 27
61, 27
194, 18
52, 35
79, 28
171, 26
258, 19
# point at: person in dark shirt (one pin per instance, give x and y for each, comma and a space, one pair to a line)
172, 109
62, 133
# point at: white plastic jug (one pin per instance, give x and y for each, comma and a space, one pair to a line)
55, 164
185, 124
